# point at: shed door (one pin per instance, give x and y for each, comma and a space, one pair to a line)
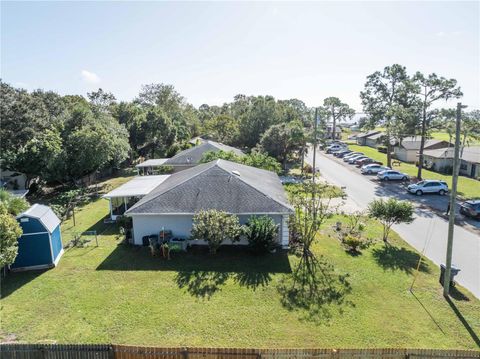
33, 250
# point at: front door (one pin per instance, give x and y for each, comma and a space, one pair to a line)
473, 170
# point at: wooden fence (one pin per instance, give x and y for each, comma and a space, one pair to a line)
100, 351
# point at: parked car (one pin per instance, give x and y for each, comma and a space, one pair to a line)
471, 208
373, 168
333, 148
390, 175
347, 157
352, 160
341, 154
366, 161
428, 186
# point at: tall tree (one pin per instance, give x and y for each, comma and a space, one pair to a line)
222, 128
337, 111
432, 89
161, 133
283, 140
384, 94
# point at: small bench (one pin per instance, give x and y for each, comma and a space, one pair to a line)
396, 163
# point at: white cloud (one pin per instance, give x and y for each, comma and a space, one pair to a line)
90, 77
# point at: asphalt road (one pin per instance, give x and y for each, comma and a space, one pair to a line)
427, 232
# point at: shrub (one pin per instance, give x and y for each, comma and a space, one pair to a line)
261, 233
353, 243
390, 212
308, 168
215, 227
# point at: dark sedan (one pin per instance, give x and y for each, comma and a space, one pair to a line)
471, 208
367, 161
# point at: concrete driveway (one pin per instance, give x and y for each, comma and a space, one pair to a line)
429, 230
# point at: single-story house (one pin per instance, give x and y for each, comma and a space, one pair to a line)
149, 167
222, 185
362, 137
126, 195
441, 160
329, 130
40, 245
190, 157
375, 139
14, 182
407, 150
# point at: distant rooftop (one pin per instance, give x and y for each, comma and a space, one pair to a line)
137, 187
469, 154
152, 163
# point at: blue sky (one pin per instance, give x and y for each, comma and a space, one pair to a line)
213, 51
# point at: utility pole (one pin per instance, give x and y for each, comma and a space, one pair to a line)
453, 195
315, 144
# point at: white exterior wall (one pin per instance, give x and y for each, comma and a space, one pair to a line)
405, 155
181, 226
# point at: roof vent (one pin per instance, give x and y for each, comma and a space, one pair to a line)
236, 173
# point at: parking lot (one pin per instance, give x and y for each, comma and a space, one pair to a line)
398, 189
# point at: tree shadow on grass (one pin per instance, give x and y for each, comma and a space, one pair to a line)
15, 280
199, 272
394, 258
315, 290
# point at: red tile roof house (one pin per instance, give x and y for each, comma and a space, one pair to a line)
408, 149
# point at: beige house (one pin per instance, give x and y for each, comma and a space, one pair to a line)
408, 149
441, 160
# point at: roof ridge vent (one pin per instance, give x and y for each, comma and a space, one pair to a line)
236, 173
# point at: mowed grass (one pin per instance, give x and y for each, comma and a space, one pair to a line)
467, 187
116, 293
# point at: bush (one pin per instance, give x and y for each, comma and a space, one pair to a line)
355, 243
215, 227
308, 168
261, 233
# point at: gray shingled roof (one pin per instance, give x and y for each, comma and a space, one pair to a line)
469, 154
221, 185
367, 134
194, 155
413, 143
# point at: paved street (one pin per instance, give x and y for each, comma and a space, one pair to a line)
429, 228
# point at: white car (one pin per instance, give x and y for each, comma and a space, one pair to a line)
428, 186
373, 168
347, 157
391, 175
352, 160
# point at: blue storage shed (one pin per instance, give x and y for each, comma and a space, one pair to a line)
40, 245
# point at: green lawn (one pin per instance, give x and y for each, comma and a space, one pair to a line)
115, 293
467, 187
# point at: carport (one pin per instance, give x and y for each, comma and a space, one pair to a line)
125, 196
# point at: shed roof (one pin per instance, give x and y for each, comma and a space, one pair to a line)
221, 185
152, 163
137, 187
376, 136
193, 155
469, 154
44, 214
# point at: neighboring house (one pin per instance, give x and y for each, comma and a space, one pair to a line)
40, 245
441, 160
126, 195
329, 130
149, 167
13, 182
362, 137
190, 157
222, 185
197, 140
407, 150
375, 140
